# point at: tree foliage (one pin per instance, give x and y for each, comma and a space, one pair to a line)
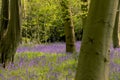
42, 20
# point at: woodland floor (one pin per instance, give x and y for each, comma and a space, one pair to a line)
50, 62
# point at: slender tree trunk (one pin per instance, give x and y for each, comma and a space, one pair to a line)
68, 25
115, 30
93, 63
11, 39
84, 11
4, 17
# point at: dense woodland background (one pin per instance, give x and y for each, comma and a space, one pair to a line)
42, 20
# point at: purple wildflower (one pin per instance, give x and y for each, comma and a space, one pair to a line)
47, 48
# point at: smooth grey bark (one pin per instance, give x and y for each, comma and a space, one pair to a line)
11, 38
115, 30
68, 25
93, 63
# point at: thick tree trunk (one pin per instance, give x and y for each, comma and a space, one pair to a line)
115, 30
69, 27
93, 63
11, 39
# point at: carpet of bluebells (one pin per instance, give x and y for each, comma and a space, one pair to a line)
50, 62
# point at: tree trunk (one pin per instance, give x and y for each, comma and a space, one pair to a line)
11, 39
84, 12
4, 17
68, 25
115, 30
93, 63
